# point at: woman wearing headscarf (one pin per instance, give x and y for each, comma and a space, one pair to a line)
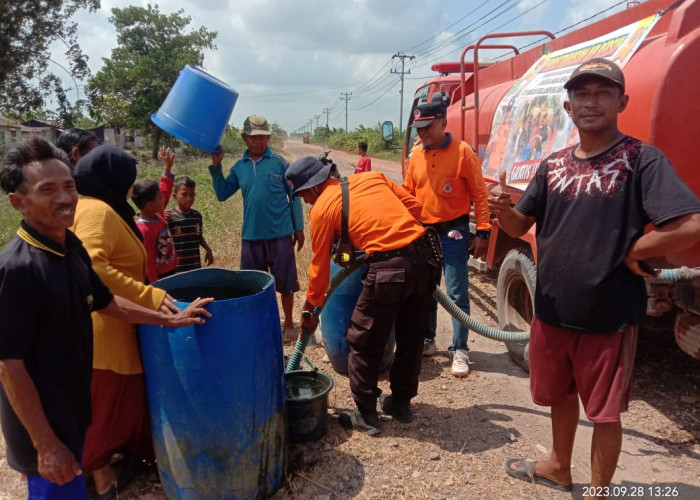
104, 221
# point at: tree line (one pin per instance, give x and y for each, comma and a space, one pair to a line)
152, 48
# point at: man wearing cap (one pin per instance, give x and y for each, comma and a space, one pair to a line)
445, 176
398, 283
272, 219
591, 203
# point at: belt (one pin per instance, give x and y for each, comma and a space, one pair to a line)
416, 245
441, 227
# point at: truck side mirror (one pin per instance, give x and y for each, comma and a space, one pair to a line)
388, 131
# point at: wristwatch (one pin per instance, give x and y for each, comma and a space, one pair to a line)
483, 234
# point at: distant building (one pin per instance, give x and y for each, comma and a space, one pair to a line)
12, 132
115, 135
48, 130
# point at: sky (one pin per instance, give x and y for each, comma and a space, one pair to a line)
290, 61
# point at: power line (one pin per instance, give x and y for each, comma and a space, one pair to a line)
444, 30
382, 95
480, 22
572, 25
378, 84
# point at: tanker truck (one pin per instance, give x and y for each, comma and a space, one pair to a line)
510, 111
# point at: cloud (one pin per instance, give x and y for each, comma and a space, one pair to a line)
289, 60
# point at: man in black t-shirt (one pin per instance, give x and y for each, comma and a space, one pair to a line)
591, 204
48, 290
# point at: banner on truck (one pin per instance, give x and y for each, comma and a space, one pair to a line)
530, 122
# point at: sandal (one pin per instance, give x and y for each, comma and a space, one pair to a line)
526, 472
124, 477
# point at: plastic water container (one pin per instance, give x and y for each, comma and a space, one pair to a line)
307, 404
335, 318
197, 109
216, 392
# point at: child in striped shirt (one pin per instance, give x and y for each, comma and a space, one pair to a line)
185, 225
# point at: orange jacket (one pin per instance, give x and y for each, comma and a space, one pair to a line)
446, 181
382, 217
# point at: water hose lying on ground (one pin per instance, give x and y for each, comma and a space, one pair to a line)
664, 275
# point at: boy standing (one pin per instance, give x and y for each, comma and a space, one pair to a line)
151, 198
364, 164
185, 224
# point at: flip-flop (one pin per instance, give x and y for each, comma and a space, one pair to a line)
110, 494
526, 472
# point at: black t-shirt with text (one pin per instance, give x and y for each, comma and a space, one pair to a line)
47, 293
588, 214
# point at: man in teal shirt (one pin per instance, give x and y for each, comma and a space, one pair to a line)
272, 219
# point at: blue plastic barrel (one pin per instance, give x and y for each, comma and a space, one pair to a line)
335, 318
197, 109
216, 391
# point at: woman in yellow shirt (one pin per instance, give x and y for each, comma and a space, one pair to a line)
104, 221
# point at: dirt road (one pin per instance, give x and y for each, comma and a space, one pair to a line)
295, 149
464, 429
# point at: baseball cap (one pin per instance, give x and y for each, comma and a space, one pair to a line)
424, 114
597, 67
256, 125
306, 173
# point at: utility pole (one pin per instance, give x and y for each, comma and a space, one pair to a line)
346, 97
328, 113
310, 123
403, 58
317, 117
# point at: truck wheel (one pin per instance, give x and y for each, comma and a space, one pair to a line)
515, 292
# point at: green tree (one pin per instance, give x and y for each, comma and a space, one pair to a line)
152, 48
27, 30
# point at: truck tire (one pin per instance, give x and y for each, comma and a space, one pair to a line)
515, 298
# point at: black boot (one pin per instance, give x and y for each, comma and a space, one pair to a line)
366, 421
400, 409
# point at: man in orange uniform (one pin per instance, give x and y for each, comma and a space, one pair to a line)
404, 263
445, 176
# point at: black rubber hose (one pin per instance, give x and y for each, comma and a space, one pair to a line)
480, 328
452, 308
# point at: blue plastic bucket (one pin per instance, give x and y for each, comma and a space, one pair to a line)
216, 391
197, 109
335, 318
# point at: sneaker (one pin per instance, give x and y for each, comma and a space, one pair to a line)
460, 363
400, 410
429, 348
367, 424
